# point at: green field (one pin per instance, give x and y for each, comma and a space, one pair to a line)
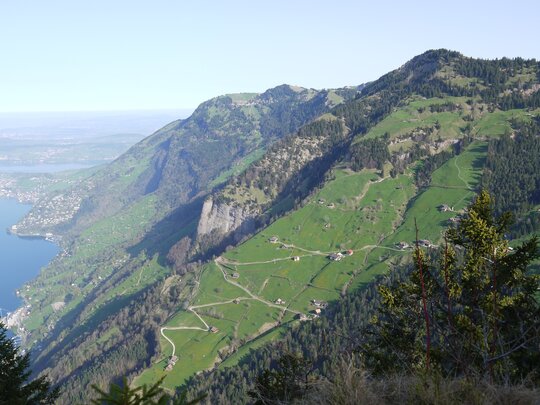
412, 116
349, 213
452, 184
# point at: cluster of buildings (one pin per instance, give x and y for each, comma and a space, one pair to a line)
322, 201
9, 189
336, 257
315, 313
445, 208
48, 213
424, 243
421, 242
319, 306
172, 361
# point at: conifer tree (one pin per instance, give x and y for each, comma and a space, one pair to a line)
290, 381
154, 395
481, 317
15, 387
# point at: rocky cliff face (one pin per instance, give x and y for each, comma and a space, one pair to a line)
224, 218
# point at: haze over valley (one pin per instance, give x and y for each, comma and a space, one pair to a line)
55, 141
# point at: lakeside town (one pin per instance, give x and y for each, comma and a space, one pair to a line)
45, 213
10, 187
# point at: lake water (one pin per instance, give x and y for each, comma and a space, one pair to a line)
20, 259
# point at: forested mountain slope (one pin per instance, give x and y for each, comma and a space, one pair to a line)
322, 187
414, 147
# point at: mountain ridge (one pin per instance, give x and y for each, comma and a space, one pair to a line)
176, 147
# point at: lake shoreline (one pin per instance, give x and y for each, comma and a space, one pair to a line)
49, 237
18, 268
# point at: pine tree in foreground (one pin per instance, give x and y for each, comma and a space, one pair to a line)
15, 387
473, 315
144, 395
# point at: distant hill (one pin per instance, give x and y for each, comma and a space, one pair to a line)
84, 124
73, 139
220, 232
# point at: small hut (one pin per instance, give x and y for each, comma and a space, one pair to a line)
402, 245
335, 256
444, 208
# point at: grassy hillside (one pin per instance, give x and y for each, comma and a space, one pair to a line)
352, 177
368, 212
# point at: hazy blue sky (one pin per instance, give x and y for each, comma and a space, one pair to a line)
116, 54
